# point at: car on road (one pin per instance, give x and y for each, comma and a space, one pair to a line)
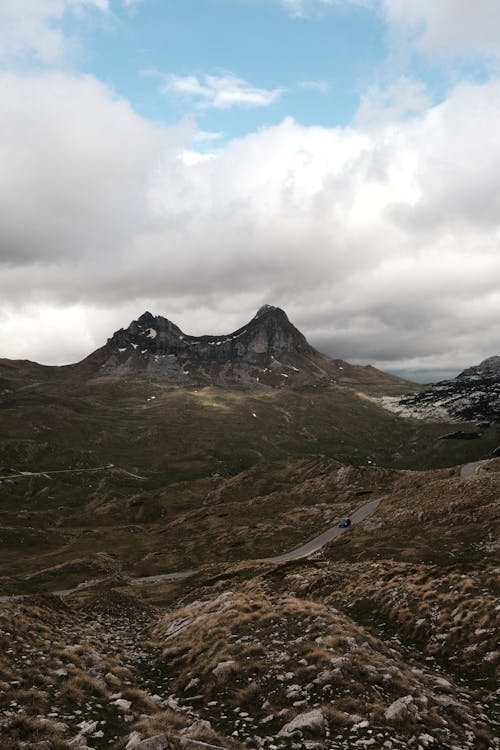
344, 523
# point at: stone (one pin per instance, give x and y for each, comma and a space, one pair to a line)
326, 677
86, 727
200, 725
400, 709
133, 740
310, 721
159, 742
440, 682
223, 666
341, 662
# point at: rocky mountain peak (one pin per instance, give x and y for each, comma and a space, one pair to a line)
269, 310
269, 351
269, 333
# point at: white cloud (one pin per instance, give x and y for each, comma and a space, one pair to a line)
220, 92
33, 29
381, 242
395, 101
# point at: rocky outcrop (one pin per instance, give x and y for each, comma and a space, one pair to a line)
473, 396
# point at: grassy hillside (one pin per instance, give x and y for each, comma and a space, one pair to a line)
185, 476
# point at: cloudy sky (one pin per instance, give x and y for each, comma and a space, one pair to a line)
338, 158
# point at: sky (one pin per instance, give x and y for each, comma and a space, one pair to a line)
336, 158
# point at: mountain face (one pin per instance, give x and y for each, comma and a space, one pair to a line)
269, 333
473, 396
268, 351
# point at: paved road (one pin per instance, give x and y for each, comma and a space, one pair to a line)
313, 545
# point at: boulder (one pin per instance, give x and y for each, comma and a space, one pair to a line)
311, 721
223, 666
160, 742
133, 740
400, 709
200, 725
122, 704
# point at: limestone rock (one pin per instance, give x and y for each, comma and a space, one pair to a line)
223, 666
401, 709
160, 742
311, 721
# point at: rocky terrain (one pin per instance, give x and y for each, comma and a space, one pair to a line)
473, 396
377, 642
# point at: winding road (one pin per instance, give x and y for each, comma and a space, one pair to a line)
313, 545
297, 553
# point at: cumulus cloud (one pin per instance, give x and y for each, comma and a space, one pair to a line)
220, 92
380, 241
33, 29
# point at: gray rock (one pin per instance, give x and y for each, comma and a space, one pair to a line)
122, 704
192, 684
326, 677
223, 666
200, 725
401, 709
133, 741
341, 662
311, 721
160, 742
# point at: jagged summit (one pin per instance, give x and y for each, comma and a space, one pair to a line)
269, 333
268, 308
